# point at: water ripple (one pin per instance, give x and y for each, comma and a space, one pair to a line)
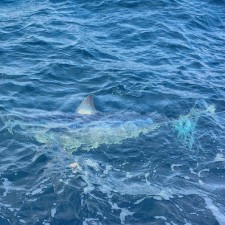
134, 56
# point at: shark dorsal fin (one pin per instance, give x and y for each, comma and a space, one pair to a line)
87, 107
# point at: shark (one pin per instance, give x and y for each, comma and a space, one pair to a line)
89, 128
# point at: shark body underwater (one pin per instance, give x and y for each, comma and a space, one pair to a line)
89, 129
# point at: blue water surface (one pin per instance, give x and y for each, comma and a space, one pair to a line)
161, 60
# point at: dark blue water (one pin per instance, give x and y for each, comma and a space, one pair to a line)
142, 57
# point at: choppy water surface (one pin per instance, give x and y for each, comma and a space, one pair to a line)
161, 61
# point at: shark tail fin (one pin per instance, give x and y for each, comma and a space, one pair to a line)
87, 106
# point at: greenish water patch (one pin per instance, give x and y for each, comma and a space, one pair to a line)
186, 125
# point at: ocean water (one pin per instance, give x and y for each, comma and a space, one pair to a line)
145, 62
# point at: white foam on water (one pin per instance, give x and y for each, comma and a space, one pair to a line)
175, 165
89, 221
38, 190
117, 181
214, 187
204, 170
92, 164
160, 217
219, 157
106, 189
139, 201
171, 223
165, 194
124, 213
45, 223
11, 209
146, 179
89, 188
114, 205
200, 182
211, 109
128, 175
7, 185
220, 217
192, 171
107, 169
53, 212
112, 184
158, 198
178, 207
186, 177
